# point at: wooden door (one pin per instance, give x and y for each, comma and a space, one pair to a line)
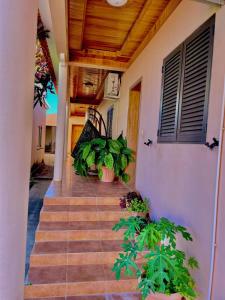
76, 132
133, 128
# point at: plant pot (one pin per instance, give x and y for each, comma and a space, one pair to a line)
138, 214
108, 175
164, 297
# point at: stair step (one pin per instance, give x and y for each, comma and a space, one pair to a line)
80, 288
82, 201
80, 208
76, 225
64, 216
120, 296
76, 235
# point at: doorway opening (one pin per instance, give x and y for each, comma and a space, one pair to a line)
133, 128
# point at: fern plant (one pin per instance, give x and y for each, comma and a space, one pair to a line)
111, 153
165, 269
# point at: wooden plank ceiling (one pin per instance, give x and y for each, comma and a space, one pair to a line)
105, 37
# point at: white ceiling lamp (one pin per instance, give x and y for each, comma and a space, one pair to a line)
117, 3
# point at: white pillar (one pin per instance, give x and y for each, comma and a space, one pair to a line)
61, 119
18, 28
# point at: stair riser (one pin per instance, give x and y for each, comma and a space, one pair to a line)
82, 216
73, 259
82, 201
77, 235
80, 288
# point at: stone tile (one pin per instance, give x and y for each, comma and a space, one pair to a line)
54, 225
84, 273
50, 247
56, 208
45, 275
84, 246
114, 245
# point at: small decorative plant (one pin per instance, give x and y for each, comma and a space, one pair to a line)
112, 154
126, 200
139, 206
164, 269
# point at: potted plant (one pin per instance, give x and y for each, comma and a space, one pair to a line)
138, 207
135, 204
111, 157
164, 274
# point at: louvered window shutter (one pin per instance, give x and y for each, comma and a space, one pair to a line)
170, 96
193, 111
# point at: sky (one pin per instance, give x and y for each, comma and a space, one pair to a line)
52, 100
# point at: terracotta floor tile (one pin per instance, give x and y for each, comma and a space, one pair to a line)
53, 208
90, 297
84, 246
45, 275
84, 273
84, 225
108, 208
114, 245
52, 298
54, 225
50, 247
83, 208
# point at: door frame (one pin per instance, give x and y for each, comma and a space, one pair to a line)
136, 83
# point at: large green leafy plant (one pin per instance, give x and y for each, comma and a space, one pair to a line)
165, 269
103, 152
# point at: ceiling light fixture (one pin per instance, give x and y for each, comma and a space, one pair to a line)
117, 3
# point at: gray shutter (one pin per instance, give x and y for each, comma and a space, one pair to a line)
193, 112
170, 96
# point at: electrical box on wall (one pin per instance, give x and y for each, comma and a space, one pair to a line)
112, 86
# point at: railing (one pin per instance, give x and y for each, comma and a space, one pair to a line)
97, 120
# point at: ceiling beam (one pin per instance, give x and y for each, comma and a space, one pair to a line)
89, 101
100, 91
136, 26
172, 5
99, 63
216, 2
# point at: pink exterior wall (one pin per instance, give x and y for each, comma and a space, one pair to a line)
179, 179
39, 119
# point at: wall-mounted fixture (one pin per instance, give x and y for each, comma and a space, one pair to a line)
148, 143
212, 145
117, 3
112, 86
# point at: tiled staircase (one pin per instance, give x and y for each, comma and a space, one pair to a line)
74, 252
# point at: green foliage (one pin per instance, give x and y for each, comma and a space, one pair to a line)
113, 154
138, 205
165, 268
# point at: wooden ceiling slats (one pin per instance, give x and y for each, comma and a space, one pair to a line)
106, 37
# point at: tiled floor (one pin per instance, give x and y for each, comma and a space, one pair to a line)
75, 186
75, 246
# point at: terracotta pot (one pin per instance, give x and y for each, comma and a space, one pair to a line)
138, 214
108, 175
164, 297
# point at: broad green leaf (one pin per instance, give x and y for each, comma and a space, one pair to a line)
125, 177
91, 159
114, 146
123, 161
108, 160
86, 151
99, 142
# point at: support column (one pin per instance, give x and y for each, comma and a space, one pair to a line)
61, 119
18, 28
